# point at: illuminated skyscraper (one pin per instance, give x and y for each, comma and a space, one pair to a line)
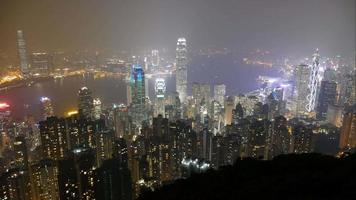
22, 53
313, 82
85, 104
137, 85
181, 68
160, 92
53, 138
97, 108
219, 93
201, 93
155, 58
46, 107
138, 95
302, 90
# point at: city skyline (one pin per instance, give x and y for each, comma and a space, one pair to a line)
108, 109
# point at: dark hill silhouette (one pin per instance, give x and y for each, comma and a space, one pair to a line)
305, 176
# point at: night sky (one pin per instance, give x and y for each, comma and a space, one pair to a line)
290, 27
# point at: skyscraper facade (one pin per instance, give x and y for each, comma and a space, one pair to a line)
22, 53
181, 68
219, 93
327, 96
302, 90
46, 107
85, 106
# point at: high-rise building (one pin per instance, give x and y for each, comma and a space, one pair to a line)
45, 178
155, 58
97, 108
137, 85
85, 104
22, 53
229, 106
201, 93
219, 93
46, 108
160, 94
313, 82
41, 63
76, 176
138, 96
53, 138
348, 130
21, 155
181, 68
302, 136
301, 88
327, 96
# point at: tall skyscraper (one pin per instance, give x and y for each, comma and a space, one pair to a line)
313, 82
53, 138
181, 68
138, 96
46, 107
302, 90
137, 85
219, 93
327, 96
97, 108
22, 53
160, 93
201, 93
348, 130
85, 104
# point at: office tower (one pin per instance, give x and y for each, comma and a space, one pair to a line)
219, 93
348, 130
97, 108
45, 180
85, 103
302, 89
138, 96
160, 94
103, 146
21, 155
53, 138
313, 82
173, 109
237, 114
46, 108
327, 96
22, 53
181, 68
76, 177
229, 106
155, 59
201, 93
302, 135
41, 63
121, 121
217, 117
204, 145
137, 85
279, 137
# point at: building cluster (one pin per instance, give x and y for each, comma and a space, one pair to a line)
119, 151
